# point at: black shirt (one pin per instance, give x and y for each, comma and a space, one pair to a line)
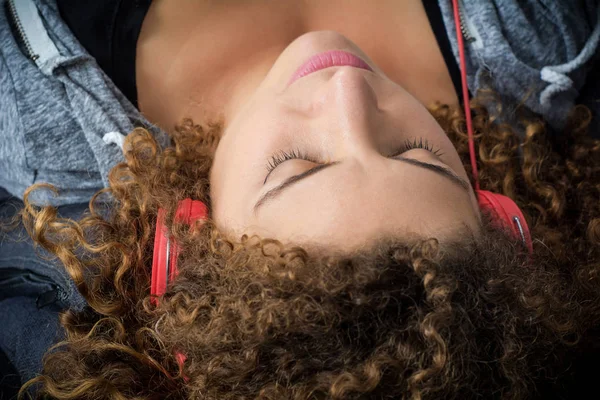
109, 30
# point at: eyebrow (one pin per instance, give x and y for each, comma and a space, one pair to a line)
277, 190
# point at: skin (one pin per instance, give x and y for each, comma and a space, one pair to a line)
349, 116
204, 58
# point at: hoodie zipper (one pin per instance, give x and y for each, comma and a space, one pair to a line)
469, 32
465, 32
21, 31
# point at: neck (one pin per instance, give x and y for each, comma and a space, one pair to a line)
205, 70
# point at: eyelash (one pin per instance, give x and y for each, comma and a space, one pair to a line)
408, 145
282, 156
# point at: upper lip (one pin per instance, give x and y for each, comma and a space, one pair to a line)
328, 59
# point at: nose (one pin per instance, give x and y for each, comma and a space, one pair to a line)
349, 112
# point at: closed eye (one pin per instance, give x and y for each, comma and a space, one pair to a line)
283, 156
277, 190
296, 154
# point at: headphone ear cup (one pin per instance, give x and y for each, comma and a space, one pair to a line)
507, 213
164, 259
189, 211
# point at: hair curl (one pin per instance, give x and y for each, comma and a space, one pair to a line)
256, 319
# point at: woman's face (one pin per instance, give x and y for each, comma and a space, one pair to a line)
354, 187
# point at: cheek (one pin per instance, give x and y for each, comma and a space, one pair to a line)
225, 177
216, 176
234, 179
226, 214
410, 118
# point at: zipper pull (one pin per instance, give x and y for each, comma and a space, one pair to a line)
34, 35
21, 31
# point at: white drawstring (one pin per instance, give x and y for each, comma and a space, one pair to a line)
114, 137
556, 75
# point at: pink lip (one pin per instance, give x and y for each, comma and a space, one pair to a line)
328, 59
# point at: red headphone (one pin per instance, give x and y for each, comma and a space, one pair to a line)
164, 261
507, 213
502, 207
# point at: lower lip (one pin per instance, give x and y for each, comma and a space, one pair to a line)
333, 58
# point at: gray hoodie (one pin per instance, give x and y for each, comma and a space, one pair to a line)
62, 121
61, 118
535, 52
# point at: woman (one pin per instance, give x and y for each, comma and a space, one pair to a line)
325, 320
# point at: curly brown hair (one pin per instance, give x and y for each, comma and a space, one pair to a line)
476, 318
